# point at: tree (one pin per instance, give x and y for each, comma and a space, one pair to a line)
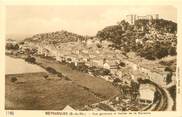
172, 51
16, 47
51, 70
13, 79
30, 59
10, 46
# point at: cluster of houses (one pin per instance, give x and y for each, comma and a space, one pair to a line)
91, 52
118, 103
155, 36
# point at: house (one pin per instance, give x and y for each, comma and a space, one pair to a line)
146, 94
139, 41
97, 62
68, 108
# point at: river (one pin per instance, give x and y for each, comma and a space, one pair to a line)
18, 66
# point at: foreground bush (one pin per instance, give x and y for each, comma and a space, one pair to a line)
30, 59
13, 79
51, 70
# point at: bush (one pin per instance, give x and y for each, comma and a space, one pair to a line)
104, 107
167, 63
14, 79
122, 64
103, 71
10, 46
99, 45
51, 70
82, 67
60, 74
30, 59
172, 51
150, 57
66, 78
116, 80
161, 52
167, 69
46, 76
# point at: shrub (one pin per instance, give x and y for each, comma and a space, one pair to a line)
60, 74
99, 45
116, 80
161, 52
150, 57
68, 59
82, 67
103, 71
167, 69
66, 78
167, 63
122, 64
14, 79
30, 59
46, 76
172, 51
104, 107
10, 46
51, 70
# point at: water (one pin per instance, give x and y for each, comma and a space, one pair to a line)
17, 66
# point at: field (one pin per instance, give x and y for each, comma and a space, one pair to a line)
97, 85
32, 91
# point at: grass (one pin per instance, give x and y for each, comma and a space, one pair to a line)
97, 85
33, 92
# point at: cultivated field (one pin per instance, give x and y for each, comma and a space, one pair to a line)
32, 91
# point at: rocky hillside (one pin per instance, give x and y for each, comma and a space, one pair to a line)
149, 39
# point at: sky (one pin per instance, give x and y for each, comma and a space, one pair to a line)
83, 20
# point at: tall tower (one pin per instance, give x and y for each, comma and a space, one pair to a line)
131, 19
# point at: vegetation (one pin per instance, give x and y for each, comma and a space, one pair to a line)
56, 37
46, 76
156, 38
156, 50
13, 79
30, 59
104, 107
10, 46
51, 70
122, 64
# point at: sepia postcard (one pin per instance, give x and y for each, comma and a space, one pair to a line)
90, 60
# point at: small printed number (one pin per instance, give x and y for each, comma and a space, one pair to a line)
11, 113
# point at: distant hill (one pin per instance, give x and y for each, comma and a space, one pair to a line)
55, 37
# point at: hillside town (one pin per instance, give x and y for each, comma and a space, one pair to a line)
98, 56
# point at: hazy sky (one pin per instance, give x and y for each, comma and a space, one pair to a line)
85, 20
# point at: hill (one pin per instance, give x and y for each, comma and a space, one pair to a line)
55, 37
149, 39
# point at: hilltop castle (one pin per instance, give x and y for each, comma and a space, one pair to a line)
132, 18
